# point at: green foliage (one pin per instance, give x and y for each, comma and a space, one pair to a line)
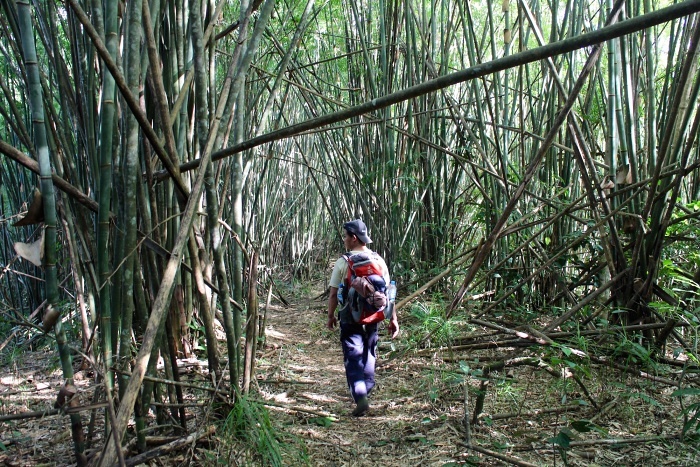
249, 424
691, 413
563, 439
508, 390
634, 352
429, 323
322, 421
198, 333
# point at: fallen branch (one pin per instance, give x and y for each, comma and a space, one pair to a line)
535, 413
170, 447
49, 412
633, 371
520, 361
601, 442
520, 342
512, 332
284, 381
499, 456
620, 441
295, 409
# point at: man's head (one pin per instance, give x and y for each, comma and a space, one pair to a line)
355, 234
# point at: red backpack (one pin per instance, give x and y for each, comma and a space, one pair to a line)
366, 288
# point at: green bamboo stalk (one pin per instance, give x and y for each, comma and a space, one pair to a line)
131, 178
104, 190
49, 205
202, 121
650, 95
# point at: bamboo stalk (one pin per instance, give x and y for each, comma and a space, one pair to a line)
49, 207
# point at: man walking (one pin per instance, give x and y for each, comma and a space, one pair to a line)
359, 341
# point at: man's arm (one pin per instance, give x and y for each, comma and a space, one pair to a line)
394, 323
332, 305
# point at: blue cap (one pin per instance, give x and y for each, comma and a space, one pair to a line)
358, 229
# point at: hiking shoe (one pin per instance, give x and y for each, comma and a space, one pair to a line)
362, 407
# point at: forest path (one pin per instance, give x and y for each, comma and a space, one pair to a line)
305, 361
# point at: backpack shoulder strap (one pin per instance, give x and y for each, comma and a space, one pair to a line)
348, 276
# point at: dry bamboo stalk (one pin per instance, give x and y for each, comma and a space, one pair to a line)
49, 412
499, 456
536, 413
604, 442
170, 447
633, 371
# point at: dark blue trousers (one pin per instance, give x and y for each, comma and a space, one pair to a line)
359, 355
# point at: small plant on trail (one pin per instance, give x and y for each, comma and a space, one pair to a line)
562, 440
508, 391
248, 427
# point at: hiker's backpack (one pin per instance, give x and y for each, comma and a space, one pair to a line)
366, 288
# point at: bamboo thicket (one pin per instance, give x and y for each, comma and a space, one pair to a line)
542, 156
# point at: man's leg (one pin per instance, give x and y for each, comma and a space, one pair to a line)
370, 355
352, 340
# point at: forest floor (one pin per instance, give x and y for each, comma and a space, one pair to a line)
417, 408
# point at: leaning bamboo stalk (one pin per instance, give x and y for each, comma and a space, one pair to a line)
589, 298
525, 341
29, 163
502, 457
435, 280
17, 121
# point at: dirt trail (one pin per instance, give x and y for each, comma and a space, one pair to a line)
300, 372
402, 427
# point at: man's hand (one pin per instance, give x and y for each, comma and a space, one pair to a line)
332, 306
332, 321
394, 327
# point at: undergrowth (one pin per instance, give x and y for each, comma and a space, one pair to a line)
249, 437
427, 325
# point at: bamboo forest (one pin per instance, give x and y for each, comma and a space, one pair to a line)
177, 185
